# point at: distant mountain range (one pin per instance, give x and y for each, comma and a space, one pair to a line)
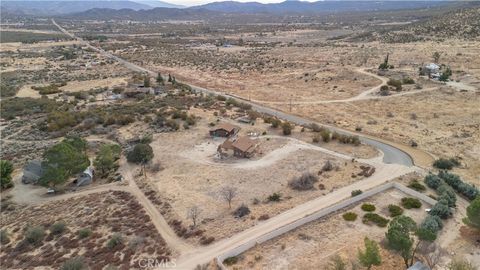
41, 7
294, 6
59, 7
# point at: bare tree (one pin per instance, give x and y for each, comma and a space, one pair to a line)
228, 193
431, 253
193, 213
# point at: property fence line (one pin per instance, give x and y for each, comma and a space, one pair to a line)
317, 215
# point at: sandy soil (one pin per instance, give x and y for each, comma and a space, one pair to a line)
193, 176
312, 245
13, 46
75, 86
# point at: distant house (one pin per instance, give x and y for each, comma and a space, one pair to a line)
224, 130
32, 172
245, 120
240, 147
432, 70
85, 178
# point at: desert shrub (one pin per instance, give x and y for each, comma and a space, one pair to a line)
206, 240
58, 227
221, 98
375, 218
4, 237
356, 192
316, 139
408, 80
275, 197
47, 90
368, 207
468, 190
327, 166
325, 134
414, 184
409, 203
457, 184
395, 83
76, 263
349, 216
114, 241
305, 182
395, 210
432, 181
461, 264
446, 164
84, 233
230, 260
141, 153
35, 235
13, 107
264, 217
287, 128
275, 122
432, 223
315, 127
447, 194
441, 210
241, 211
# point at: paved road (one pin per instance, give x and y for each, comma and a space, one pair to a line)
392, 155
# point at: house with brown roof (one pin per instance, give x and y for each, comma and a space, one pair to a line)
239, 146
224, 130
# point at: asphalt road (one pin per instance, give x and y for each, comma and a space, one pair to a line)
391, 154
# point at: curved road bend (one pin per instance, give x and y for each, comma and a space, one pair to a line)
392, 155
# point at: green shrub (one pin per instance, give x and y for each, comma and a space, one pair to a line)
84, 233
446, 164
432, 181
409, 203
375, 218
114, 241
275, 197
141, 153
76, 263
58, 227
368, 207
395, 83
35, 235
230, 260
4, 237
349, 216
441, 210
356, 192
408, 80
447, 194
395, 210
414, 184
287, 128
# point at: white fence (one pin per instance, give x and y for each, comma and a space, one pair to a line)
326, 211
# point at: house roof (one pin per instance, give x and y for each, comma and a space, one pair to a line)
432, 66
225, 126
244, 144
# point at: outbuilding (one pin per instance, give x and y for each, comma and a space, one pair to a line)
224, 130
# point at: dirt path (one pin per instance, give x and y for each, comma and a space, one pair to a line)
202, 154
383, 174
365, 95
173, 241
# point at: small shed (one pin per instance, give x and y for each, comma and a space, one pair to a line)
224, 130
32, 172
85, 178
